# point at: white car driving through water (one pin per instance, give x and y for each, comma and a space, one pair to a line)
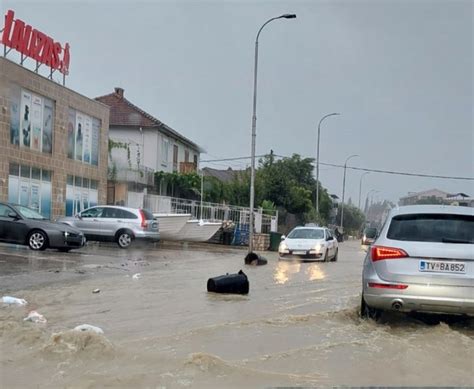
309, 243
422, 261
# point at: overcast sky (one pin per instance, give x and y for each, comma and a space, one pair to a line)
400, 72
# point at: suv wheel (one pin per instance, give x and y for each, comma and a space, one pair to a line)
124, 239
367, 312
335, 256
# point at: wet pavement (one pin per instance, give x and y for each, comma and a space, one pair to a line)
298, 326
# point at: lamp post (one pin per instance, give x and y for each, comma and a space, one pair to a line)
254, 128
360, 185
367, 199
317, 160
344, 190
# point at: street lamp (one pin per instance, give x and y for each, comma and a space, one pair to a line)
317, 160
367, 197
344, 189
360, 185
254, 127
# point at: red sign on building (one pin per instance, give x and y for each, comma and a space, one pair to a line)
34, 44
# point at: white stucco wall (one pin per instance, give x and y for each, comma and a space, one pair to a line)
149, 148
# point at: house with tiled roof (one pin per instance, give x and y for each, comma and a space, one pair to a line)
140, 145
150, 143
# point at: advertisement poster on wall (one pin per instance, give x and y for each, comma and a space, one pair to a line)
35, 197
79, 135
48, 126
71, 133
46, 199
69, 200
36, 122
25, 119
87, 139
95, 141
25, 193
13, 187
15, 102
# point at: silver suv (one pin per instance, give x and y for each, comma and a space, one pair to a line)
423, 260
115, 224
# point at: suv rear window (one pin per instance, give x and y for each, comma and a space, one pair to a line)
432, 228
148, 215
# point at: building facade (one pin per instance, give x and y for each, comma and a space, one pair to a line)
141, 145
53, 144
436, 196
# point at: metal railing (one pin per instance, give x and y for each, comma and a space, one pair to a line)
266, 220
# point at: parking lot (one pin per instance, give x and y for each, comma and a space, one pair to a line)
299, 325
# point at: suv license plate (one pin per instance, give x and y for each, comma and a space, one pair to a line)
443, 267
299, 252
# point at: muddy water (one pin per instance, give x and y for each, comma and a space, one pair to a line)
298, 326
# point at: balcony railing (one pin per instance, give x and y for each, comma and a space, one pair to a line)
139, 175
187, 167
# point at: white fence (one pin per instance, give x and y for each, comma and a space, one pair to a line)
265, 220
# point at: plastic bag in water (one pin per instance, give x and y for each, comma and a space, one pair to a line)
35, 317
13, 300
89, 328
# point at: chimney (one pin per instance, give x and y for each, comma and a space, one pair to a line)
119, 91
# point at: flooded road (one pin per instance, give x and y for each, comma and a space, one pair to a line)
299, 325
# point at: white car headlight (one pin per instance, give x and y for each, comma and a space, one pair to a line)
283, 246
317, 247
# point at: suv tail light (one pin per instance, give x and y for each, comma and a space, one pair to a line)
387, 286
144, 223
379, 253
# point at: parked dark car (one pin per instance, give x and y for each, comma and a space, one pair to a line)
22, 225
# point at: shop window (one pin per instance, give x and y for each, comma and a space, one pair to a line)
81, 194
31, 120
83, 137
14, 169
31, 188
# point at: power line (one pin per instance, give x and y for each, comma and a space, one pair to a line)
232, 159
356, 168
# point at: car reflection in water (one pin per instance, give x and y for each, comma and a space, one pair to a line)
286, 270
315, 272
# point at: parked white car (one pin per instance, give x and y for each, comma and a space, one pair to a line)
309, 243
106, 223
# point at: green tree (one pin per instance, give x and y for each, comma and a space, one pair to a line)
353, 218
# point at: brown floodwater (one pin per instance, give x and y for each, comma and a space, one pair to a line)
298, 326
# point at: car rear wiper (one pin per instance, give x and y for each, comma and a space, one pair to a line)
451, 240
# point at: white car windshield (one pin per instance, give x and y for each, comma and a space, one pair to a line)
306, 233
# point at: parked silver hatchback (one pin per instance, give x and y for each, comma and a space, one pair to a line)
422, 261
115, 224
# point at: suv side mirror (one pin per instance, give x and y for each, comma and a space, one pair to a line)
78, 215
283, 237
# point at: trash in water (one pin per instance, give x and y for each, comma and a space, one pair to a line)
229, 283
89, 328
96, 291
13, 300
35, 317
255, 259
136, 276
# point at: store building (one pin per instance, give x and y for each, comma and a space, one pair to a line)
53, 141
